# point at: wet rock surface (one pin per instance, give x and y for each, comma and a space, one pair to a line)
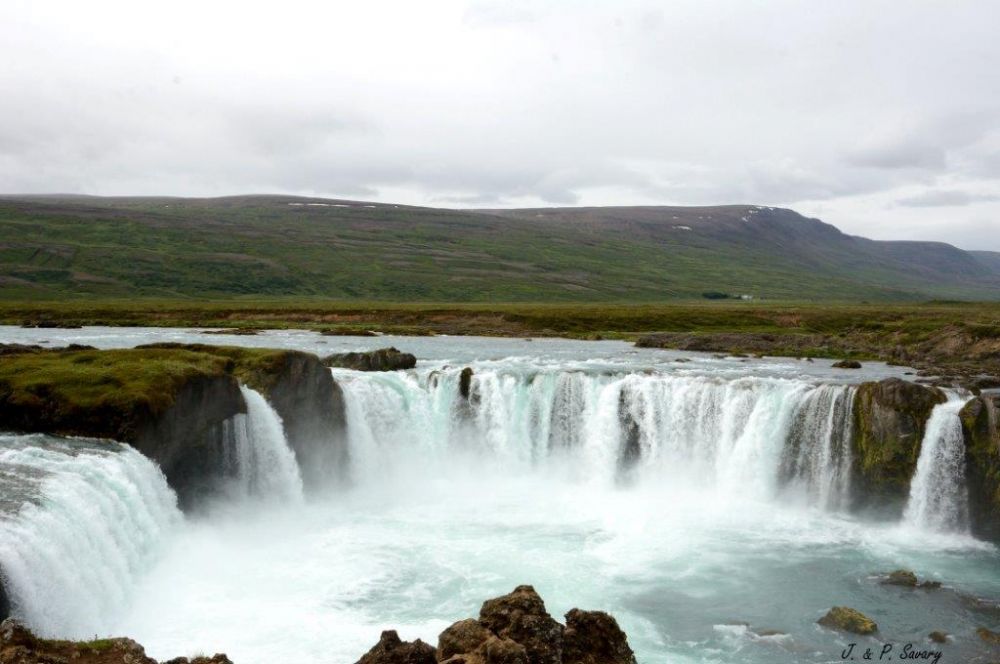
846, 619
890, 418
981, 430
383, 359
514, 629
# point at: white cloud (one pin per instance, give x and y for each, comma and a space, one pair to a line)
877, 114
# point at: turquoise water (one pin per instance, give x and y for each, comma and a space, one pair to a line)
728, 526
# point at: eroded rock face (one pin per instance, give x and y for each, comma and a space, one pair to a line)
890, 417
981, 429
593, 637
390, 649
311, 407
188, 440
465, 636
383, 359
521, 616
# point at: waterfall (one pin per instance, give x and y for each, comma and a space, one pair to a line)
80, 522
745, 436
939, 498
263, 463
818, 457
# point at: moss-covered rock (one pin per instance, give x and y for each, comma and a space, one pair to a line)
981, 428
171, 402
383, 359
901, 577
847, 619
890, 417
19, 646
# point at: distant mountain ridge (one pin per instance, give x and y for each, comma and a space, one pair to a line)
70, 246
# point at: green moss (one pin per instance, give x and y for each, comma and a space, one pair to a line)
983, 448
109, 393
889, 422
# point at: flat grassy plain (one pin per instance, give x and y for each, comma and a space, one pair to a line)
909, 322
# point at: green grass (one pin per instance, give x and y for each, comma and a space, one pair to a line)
242, 247
910, 322
86, 392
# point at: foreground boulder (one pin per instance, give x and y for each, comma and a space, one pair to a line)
981, 429
383, 359
890, 417
514, 629
846, 619
390, 649
19, 646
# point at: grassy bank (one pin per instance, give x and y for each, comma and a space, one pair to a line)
912, 321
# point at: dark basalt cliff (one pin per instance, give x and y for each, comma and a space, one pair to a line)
188, 440
889, 421
174, 402
311, 406
981, 427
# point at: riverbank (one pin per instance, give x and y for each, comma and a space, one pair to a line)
957, 342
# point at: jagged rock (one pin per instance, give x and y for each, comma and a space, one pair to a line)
981, 429
890, 417
311, 406
938, 637
521, 616
390, 649
465, 382
465, 636
504, 651
901, 577
848, 620
847, 364
383, 359
631, 448
593, 637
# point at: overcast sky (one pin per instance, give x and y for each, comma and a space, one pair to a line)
880, 117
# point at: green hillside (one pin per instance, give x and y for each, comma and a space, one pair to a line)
58, 247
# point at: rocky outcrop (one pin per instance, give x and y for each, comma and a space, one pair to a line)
19, 646
846, 364
383, 359
465, 383
189, 440
889, 421
311, 406
174, 403
592, 637
981, 428
514, 629
391, 650
846, 619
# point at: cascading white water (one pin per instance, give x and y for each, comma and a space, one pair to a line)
264, 464
80, 522
743, 436
819, 457
939, 498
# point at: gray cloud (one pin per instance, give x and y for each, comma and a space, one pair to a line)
500, 103
946, 198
